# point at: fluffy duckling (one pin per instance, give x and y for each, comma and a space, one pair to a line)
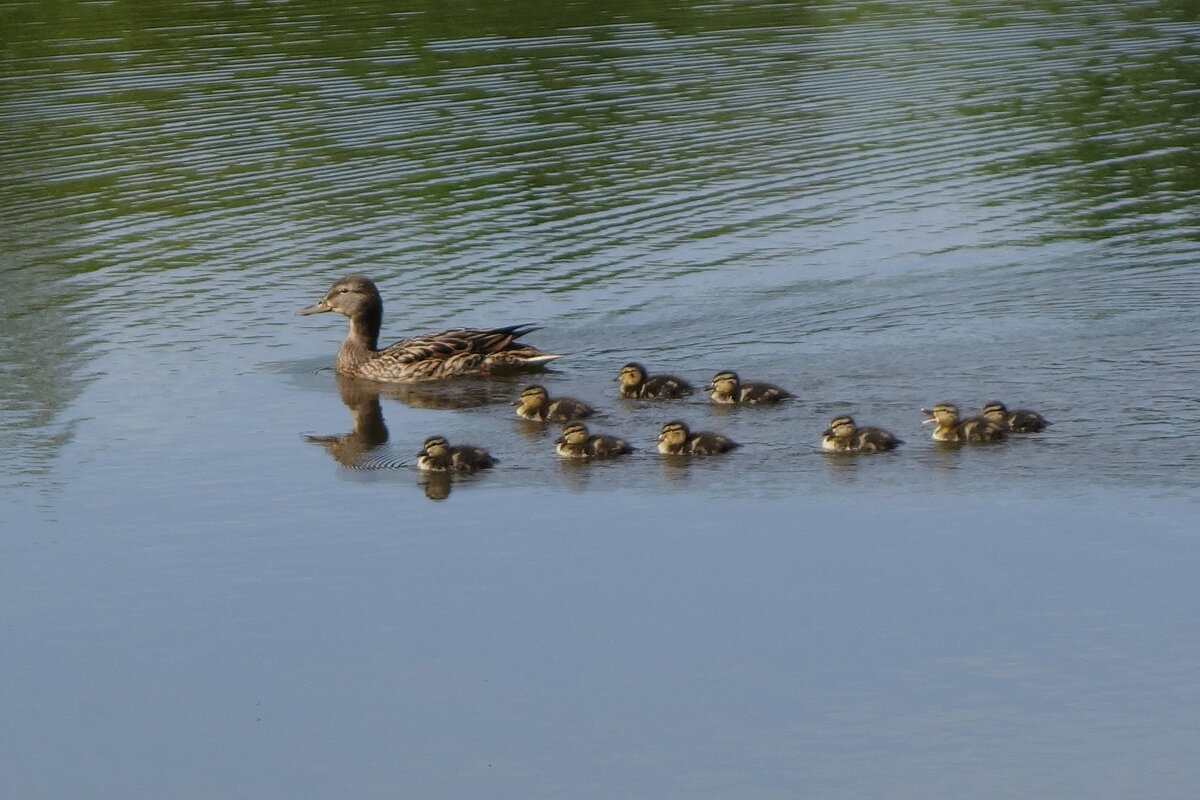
951, 429
577, 442
1019, 421
448, 354
438, 456
535, 404
676, 439
843, 436
636, 382
726, 387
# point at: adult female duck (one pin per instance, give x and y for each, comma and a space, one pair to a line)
448, 354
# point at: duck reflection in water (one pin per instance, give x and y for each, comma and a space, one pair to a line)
364, 447
437, 484
450, 394
369, 432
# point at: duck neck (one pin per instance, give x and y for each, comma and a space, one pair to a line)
362, 341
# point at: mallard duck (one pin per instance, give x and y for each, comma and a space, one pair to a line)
456, 352
951, 429
438, 456
535, 404
577, 442
676, 439
1019, 421
843, 436
636, 382
726, 387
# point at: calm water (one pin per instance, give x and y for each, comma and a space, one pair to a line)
879, 207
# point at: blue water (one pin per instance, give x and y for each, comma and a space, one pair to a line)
877, 208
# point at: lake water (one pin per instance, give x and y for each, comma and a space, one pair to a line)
878, 206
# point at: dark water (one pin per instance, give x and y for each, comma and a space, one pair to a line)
879, 207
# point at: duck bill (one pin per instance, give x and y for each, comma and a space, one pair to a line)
828, 432
929, 421
319, 308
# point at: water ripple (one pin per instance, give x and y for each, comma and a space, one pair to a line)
1007, 191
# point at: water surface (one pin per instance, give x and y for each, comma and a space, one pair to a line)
879, 208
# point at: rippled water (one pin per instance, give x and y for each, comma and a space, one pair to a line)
879, 207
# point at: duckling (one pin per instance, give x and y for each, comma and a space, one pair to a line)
951, 429
1019, 421
677, 439
636, 382
448, 354
728, 388
843, 436
438, 456
576, 442
535, 404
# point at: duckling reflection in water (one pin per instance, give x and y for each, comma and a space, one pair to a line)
843, 436
438, 456
577, 442
1020, 421
726, 387
450, 353
676, 439
535, 404
437, 485
949, 428
637, 383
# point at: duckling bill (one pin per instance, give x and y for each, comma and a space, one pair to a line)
536, 404
438, 456
1020, 421
726, 387
677, 439
844, 436
577, 442
447, 354
637, 383
949, 428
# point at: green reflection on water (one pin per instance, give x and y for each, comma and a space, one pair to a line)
1128, 153
122, 120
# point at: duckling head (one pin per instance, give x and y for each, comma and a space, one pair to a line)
725, 383
996, 412
944, 414
532, 397
631, 375
674, 434
435, 447
574, 434
841, 428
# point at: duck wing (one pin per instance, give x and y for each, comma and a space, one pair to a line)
456, 341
